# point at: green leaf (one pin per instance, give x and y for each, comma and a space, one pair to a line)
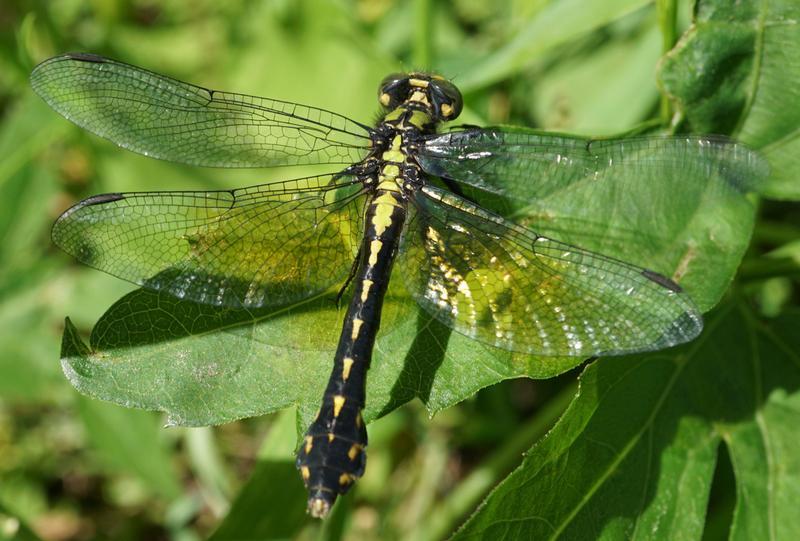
557, 23
735, 71
634, 455
203, 365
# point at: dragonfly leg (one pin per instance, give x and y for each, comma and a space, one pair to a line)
350, 276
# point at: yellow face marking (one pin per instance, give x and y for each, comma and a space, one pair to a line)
446, 110
420, 83
305, 472
367, 284
309, 444
356, 328
348, 364
331, 437
338, 403
345, 479
385, 99
419, 97
437, 77
374, 249
355, 449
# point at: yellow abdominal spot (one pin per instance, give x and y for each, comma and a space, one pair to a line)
345, 479
366, 286
389, 173
338, 403
353, 452
348, 364
331, 437
309, 443
374, 249
384, 206
356, 328
305, 472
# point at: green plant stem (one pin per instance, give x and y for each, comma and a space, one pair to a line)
421, 54
667, 22
442, 519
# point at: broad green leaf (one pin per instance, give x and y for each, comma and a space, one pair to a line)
203, 365
634, 455
735, 71
558, 23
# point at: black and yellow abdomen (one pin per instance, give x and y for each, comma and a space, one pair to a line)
332, 454
331, 457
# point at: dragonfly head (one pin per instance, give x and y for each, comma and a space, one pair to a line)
434, 93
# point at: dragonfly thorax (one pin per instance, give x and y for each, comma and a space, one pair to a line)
432, 93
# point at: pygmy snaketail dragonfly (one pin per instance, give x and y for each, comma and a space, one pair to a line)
394, 199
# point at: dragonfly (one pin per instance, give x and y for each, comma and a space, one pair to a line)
395, 201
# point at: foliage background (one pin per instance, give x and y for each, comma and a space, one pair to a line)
77, 468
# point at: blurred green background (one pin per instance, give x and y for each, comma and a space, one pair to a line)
76, 468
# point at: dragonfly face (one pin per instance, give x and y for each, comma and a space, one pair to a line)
432, 92
377, 214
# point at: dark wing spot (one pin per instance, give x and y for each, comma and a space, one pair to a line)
102, 199
87, 57
662, 280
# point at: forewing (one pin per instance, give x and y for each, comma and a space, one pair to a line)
525, 164
168, 119
502, 284
264, 245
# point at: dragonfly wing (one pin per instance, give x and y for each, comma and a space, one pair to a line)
526, 164
264, 245
168, 119
504, 285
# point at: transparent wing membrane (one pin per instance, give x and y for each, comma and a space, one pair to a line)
504, 285
264, 245
525, 165
168, 119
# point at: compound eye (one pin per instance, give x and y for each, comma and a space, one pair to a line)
392, 90
448, 99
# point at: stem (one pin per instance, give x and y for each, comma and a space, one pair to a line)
421, 52
667, 22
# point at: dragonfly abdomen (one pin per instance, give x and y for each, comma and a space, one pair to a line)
331, 457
